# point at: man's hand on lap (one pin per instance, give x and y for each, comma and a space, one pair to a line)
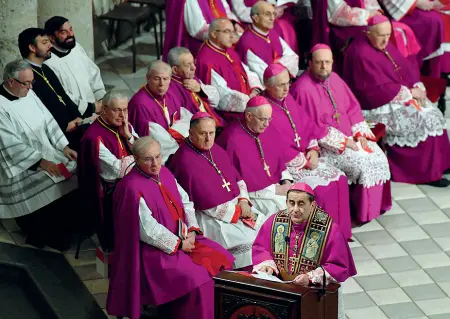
246, 210
50, 168
313, 157
351, 144
187, 246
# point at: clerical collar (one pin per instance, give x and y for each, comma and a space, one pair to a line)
257, 30
34, 63
215, 46
59, 52
270, 97
103, 122
177, 78
8, 94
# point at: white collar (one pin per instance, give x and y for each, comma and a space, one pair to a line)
259, 31
57, 48
216, 46
33, 63
6, 89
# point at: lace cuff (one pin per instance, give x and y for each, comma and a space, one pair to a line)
334, 141
316, 277
362, 129
126, 164
420, 85
345, 16
243, 192
313, 145
404, 96
268, 263
224, 212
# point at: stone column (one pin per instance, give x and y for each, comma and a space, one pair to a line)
15, 16
79, 13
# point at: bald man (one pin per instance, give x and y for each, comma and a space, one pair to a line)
154, 111
389, 90
326, 99
220, 66
261, 44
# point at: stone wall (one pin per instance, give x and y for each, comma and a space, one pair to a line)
17, 15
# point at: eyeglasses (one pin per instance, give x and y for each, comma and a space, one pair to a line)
263, 119
118, 110
227, 32
25, 84
149, 159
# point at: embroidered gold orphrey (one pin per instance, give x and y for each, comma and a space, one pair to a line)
319, 224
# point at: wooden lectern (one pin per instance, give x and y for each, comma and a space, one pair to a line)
243, 297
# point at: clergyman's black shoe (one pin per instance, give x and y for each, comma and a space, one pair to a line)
440, 183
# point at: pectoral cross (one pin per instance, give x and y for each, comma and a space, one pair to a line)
336, 117
297, 139
294, 259
267, 169
225, 184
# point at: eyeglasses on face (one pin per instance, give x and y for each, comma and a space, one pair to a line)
227, 32
117, 110
263, 119
25, 84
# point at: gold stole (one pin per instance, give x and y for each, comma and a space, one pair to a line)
311, 248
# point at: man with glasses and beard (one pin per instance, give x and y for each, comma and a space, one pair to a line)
35, 47
328, 101
79, 75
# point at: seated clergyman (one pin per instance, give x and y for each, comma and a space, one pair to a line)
160, 253
302, 242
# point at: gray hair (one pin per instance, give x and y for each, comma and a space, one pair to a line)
156, 65
13, 68
173, 57
141, 145
272, 80
214, 26
255, 8
113, 95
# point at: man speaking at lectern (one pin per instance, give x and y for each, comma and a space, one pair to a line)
302, 242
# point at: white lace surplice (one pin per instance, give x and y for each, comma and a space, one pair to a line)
405, 125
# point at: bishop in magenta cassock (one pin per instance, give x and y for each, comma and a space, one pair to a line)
256, 157
261, 45
105, 157
431, 25
155, 111
389, 91
285, 21
220, 195
299, 139
158, 242
336, 21
188, 88
220, 66
328, 101
302, 242
191, 22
